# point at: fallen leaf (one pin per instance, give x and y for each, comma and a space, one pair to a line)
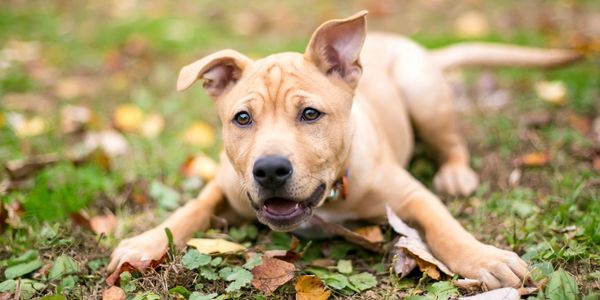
152, 125
554, 92
139, 266
113, 293
23, 168
503, 293
26, 127
74, 118
580, 123
534, 159
347, 234
211, 246
128, 118
103, 224
514, 177
403, 264
323, 262
76, 87
596, 163
310, 287
200, 165
199, 134
413, 246
371, 233
470, 285
5, 296
471, 24
111, 142
271, 274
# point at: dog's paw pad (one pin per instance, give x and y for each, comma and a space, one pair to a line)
456, 180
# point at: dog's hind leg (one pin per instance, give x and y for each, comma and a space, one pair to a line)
152, 244
428, 99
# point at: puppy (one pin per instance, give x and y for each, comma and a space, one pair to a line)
298, 127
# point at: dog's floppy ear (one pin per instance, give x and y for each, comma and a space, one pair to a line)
219, 71
335, 47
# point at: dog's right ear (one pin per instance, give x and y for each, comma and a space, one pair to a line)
219, 71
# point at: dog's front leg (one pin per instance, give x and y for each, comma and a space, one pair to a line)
152, 244
448, 240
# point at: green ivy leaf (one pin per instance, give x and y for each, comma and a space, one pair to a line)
363, 281
8, 286
238, 276
63, 265
216, 261
180, 290
561, 286
127, 283
253, 261
30, 288
193, 259
22, 269
147, 296
209, 273
442, 290
344, 266
198, 296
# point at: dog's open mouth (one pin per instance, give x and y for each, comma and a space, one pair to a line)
285, 214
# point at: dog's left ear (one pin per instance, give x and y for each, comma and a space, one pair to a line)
219, 71
335, 47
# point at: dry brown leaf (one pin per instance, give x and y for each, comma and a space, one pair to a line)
310, 287
22, 168
554, 92
152, 125
113, 293
271, 274
75, 87
413, 246
212, 246
323, 262
471, 24
470, 285
535, 159
580, 123
199, 134
596, 163
199, 165
129, 266
345, 233
371, 233
403, 264
103, 224
5, 296
128, 118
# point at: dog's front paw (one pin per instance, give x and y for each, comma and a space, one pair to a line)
494, 267
456, 179
140, 250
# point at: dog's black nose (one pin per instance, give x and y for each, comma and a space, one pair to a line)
273, 171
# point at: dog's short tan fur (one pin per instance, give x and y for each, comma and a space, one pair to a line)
366, 129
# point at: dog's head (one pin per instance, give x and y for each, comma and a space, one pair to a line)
285, 118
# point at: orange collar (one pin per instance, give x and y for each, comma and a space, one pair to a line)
339, 189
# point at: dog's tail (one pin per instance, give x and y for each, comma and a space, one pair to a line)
498, 55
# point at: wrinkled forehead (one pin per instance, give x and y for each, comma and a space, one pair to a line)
277, 78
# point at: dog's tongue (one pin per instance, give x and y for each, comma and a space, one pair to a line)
281, 206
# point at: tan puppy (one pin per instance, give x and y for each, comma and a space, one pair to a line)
294, 124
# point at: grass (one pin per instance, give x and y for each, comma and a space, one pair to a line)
551, 216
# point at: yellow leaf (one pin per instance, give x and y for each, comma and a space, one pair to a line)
535, 159
554, 92
471, 24
128, 117
311, 288
199, 134
152, 125
210, 246
200, 165
2, 120
24, 127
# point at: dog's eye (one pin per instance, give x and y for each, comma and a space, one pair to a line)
242, 118
310, 114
